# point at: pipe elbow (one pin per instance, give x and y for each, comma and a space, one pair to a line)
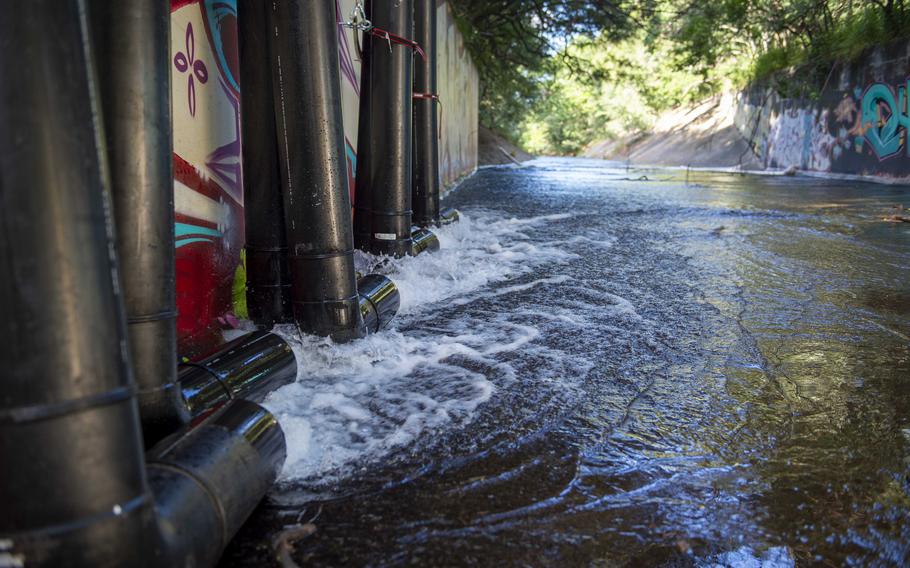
379, 301
207, 478
448, 216
423, 240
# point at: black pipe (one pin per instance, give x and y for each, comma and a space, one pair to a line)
247, 368
132, 41
209, 478
448, 216
72, 485
423, 240
384, 144
307, 91
268, 280
379, 301
425, 188
363, 192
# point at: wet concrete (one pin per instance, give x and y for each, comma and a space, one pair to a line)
717, 374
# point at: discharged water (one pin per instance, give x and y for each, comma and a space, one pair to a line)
607, 367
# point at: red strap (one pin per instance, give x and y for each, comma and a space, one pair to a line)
393, 38
431, 97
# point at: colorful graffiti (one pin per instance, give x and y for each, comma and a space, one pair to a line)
208, 195
186, 62
885, 122
350, 87
858, 124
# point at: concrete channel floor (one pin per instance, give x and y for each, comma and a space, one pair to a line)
609, 367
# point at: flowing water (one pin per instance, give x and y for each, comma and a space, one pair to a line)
609, 367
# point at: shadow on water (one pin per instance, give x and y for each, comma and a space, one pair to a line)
601, 371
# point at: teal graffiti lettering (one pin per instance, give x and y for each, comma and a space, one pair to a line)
884, 136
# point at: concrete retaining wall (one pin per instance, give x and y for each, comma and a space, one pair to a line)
858, 125
459, 92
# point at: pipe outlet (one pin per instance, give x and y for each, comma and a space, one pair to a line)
207, 478
379, 301
448, 216
423, 240
250, 367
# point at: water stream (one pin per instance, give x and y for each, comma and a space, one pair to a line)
607, 367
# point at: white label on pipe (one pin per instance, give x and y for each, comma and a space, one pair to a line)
384, 236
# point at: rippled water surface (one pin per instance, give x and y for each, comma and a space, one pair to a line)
607, 367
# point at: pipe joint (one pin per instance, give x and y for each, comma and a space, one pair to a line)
386, 244
325, 296
391, 233
268, 286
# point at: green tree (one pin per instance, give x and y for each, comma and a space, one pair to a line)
609, 90
512, 41
558, 74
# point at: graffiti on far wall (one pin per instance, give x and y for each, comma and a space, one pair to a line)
857, 127
885, 119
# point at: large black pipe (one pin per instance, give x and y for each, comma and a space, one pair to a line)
132, 41
74, 488
307, 91
383, 181
208, 478
268, 282
247, 368
425, 187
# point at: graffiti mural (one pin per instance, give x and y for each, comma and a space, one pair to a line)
349, 64
459, 94
858, 126
885, 122
208, 191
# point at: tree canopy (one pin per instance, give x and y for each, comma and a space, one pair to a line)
555, 74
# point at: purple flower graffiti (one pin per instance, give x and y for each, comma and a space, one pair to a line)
188, 62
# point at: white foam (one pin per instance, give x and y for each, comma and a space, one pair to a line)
354, 403
746, 557
481, 249
517, 288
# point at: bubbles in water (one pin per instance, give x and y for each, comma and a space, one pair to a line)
482, 248
354, 403
773, 557
362, 399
